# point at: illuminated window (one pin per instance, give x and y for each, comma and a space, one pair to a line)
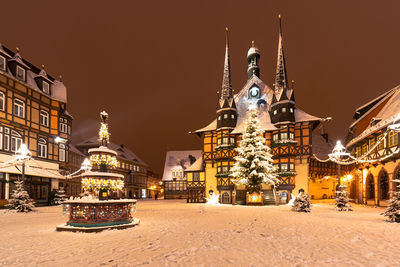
219, 118
291, 136
284, 167
225, 140
275, 111
393, 138
292, 166
283, 109
19, 108
232, 116
219, 141
275, 137
196, 176
381, 143
372, 142
225, 116
284, 136
364, 148
42, 148
232, 140
291, 110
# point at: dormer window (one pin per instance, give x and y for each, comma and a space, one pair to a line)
20, 73
283, 109
225, 116
2, 63
46, 87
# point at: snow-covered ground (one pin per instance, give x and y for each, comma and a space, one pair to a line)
175, 233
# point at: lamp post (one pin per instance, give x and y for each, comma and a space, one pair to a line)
23, 154
337, 153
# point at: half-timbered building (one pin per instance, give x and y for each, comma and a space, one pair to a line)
370, 140
174, 176
288, 130
33, 110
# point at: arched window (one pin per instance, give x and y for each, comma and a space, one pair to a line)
383, 185
396, 176
226, 199
19, 108
16, 140
42, 148
44, 118
371, 187
2, 101
61, 152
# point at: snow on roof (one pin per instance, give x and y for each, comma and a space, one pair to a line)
388, 113
4, 52
102, 149
122, 151
179, 158
197, 166
75, 150
320, 147
242, 103
374, 103
58, 89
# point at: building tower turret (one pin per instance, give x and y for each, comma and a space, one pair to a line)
282, 106
253, 58
226, 111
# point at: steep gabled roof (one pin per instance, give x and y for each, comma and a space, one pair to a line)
179, 159
387, 114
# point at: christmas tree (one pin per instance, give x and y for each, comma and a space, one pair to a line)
20, 200
393, 210
60, 196
302, 203
342, 199
253, 164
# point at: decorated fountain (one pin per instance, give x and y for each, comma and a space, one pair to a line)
101, 207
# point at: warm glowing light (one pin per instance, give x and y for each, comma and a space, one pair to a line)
23, 153
86, 165
254, 198
213, 199
93, 184
110, 161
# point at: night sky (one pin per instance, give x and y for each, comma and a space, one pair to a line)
156, 66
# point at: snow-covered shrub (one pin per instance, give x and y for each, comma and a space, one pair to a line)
342, 199
393, 210
302, 203
20, 200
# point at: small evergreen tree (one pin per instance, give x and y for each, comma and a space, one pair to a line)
342, 199
59, 196
302, 203
254, 163
20, 200
393, 210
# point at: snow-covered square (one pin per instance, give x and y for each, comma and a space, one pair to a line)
174, 233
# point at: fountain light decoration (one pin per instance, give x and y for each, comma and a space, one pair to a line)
109, 160
94, 184
339, 151
104, 135
213, 199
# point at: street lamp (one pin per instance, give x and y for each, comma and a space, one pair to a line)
23, 154
338, 152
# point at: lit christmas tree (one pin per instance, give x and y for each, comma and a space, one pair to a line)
20, 200
393, 210
342, 199
60, 196
302, 203
254, 164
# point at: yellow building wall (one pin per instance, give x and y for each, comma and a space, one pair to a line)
211, 181
301, 179
320, 187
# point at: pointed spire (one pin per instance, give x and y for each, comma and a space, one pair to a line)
281, 81
227, 92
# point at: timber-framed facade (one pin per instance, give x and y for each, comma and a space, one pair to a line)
33, 110
288, 130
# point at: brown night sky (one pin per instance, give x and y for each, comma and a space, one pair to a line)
156, 66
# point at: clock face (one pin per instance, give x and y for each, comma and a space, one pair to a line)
254, 92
